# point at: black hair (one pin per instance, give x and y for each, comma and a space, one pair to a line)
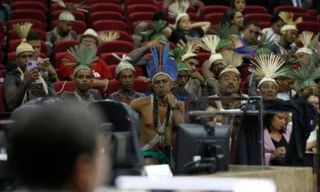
232, 2
33, 36
5, 10
228, 16
275, 18
267, 119
254, 23
160, 15
46, 140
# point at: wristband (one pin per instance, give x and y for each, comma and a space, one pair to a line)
174, 108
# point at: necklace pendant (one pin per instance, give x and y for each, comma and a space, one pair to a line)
161, 138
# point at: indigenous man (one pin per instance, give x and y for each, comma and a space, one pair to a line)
288, 35
99, 68
160, 111
308, 44
125, 74
83, 76
23, 84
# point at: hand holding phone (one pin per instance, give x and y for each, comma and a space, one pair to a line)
31, 65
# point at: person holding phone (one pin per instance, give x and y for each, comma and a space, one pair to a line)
24, 83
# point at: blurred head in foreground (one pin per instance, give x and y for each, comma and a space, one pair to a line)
58, 146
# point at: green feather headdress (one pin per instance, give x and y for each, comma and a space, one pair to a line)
224, 31
262, 48
84, 57
315, 57
155, 31
304, 76
177, 54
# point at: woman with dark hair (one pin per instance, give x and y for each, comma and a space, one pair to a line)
276, 138
272, 34
238, 5
233, 17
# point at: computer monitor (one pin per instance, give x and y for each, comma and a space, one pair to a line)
202, 148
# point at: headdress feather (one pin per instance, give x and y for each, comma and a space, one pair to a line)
304, 76
191, 49
233, 60
287, 17
308, 42
224, 31
210, 43
124, 63
176, 9
22, 30
109, 36
177, 54
155, 31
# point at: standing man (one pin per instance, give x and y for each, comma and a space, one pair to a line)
159, 112
125, 74
83, 77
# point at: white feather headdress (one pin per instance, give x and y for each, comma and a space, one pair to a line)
210, 43
109, 36
191, 49
307, 42
268, 67
233, 61
178, 10
124, 63
287, 17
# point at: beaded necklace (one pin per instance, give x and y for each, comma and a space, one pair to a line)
81, 100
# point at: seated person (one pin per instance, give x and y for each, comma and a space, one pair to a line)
63, 30
251, 32
58, 147
272, 34
83, 77
45, 66
99, 67
125, 74
23, 84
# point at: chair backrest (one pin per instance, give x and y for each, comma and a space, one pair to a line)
203, 57
28, 5
104, 15
63, 46
214, 18
115, 46
78, 15
259, 17
143, 2
58, 59
44, 2
141, 16
124, 36
4, 113
104, 7
78, 26
305, 16
136, 8
110, 25
109, 59
92, 2
255, 9
12, 34
309, 26
62, 86
35, 23
29, 14
288, 9
212, 9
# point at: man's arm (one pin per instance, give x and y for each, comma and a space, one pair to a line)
137, 54
14, 91
178, 115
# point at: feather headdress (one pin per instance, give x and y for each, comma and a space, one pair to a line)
22, 30
124, 63
178, 10
315, 57
210, 43
109, 36
84, 57
287, 17
155, 30
161, 63
177, 54
267, 68
263, 47
308, 43
191, 49
233, 61
304, 76
224, 31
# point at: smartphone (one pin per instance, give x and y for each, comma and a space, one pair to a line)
31, 65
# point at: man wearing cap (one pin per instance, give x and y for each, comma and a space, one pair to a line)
125, 74
99, 68
63, 30
288, 35
309, 44
21, 84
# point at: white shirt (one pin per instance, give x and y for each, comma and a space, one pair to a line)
297, 3
286, 95
270, 35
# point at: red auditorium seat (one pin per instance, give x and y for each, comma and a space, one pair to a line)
312, 12
58, 59
28, 5
214, 18
144, 2
2, 73
12, 34
12, 57
29, 14
109, 59
44, 2
258, 17
211, 9
78, 15
63, 46
244, 88
62, 86
244, 70
110, 25
288, 9
141, 16
78, 26
318, 19
73, 1
140, 8
112, 69
4, 113
104, 15
309, 26
255, 9
104, 7
124, 36
92, 2
264, 24
135, 24
139, 86
115, 46
13, 44
203, 57
35, 24
305, 16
